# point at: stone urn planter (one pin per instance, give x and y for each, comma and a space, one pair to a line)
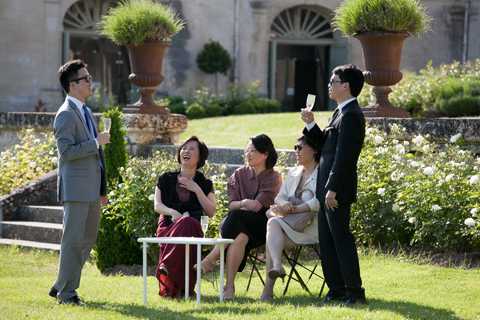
146, 62
382, 52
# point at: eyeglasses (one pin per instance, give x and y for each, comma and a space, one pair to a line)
332, 81
87, 78
298, 147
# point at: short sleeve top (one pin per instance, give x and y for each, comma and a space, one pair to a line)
168, 185
245, 184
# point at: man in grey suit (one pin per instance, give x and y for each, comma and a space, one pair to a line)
81, 181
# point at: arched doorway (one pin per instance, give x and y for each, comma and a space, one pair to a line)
107, 62
301, 42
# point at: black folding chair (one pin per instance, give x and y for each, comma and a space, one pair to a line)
255, 259
293, 261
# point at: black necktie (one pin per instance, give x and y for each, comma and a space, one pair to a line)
334, 116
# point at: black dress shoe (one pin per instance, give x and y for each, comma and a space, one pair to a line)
53, 292
352, 300
333, 297
75, 300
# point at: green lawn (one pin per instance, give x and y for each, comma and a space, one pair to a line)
396, 289
234, 131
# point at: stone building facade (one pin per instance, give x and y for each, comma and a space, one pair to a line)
288, 45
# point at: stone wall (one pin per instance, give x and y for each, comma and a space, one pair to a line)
439, 128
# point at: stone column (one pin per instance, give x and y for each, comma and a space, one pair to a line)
260, 42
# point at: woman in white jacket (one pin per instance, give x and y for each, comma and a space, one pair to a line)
293, 217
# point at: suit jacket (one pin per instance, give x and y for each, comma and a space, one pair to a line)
342, 143
81, 174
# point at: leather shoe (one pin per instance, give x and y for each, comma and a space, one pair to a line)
352, 300
75, 300
333, 297
53, 292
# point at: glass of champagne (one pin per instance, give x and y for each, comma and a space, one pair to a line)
310, 102
204, 224
107, 124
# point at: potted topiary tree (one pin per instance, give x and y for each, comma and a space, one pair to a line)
214, 59
382, 26
145, 27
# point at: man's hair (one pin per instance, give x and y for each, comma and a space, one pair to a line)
353, 76
202, 151
68, 72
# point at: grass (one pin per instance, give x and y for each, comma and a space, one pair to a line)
396, 289
234, 131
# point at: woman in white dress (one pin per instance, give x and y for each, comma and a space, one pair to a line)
293, 217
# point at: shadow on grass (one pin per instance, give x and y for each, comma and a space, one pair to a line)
141, 312
409, 310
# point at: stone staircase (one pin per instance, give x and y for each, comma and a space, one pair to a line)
34, 226
38, 223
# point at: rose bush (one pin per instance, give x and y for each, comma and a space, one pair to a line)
416, 193
28, 160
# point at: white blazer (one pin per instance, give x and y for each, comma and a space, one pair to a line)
289, 185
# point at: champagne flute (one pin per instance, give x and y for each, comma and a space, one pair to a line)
310, 102
107, 124
204, 224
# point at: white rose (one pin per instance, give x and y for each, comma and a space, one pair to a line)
396, 176
32, 164
406, 143
54, 160
400, 149
151, 197
395, 207
426, 148
415, 164
455, 138
469, 222
378, 139
418, 140
449, 177
412, 220
153, 175
428, 171
474, 212
436, 207
381, 191
474, 179
397, 158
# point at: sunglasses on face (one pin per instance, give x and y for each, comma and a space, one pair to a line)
298, 147
86, 78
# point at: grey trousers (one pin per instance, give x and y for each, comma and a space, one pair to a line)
80, 228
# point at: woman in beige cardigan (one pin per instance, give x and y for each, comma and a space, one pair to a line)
293, 217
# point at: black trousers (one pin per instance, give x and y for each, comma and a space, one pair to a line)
339, 252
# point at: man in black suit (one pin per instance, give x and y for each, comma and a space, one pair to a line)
337, 184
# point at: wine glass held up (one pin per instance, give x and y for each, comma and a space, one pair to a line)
107, 124
310, 102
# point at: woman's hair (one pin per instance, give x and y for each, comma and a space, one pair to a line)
264, 144
202, 151
312, 144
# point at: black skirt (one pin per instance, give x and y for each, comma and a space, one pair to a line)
253, 224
